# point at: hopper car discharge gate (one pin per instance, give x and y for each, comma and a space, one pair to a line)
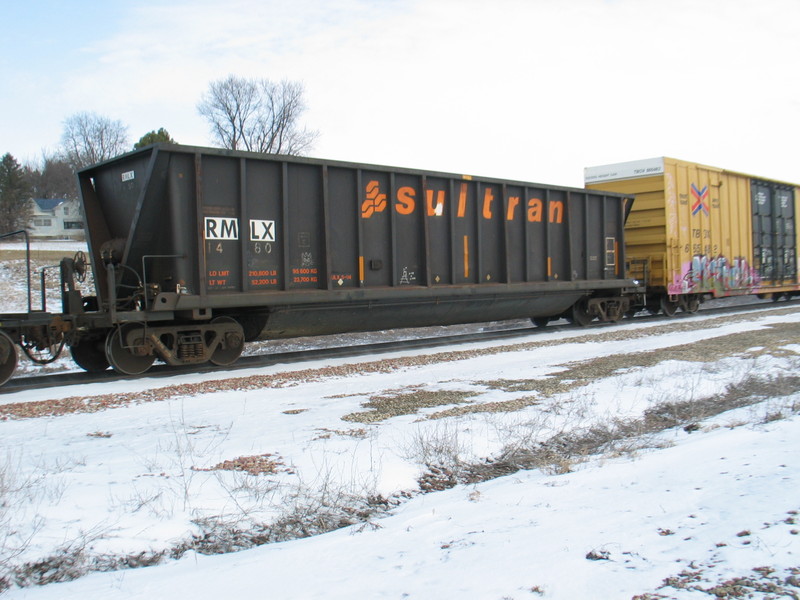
195, 251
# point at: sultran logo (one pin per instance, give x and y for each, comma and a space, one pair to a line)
375, 202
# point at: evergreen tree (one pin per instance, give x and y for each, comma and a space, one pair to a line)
15, 196
154, 137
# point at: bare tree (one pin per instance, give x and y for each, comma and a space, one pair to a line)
89, 138
277, 129
53, 177
257, 115
228, 106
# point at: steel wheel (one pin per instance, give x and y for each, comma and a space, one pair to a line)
231, 345
580, 312
90, 355
8, 357
692, 304
127, 351
668, 307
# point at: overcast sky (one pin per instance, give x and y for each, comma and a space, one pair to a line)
532, 90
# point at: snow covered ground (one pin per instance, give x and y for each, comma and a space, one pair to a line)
68, 247
659, 462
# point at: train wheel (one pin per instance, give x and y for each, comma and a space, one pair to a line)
230, 349
90, 355
692, 304
8, 357
580, 312
252, 324
126, 350
668, 307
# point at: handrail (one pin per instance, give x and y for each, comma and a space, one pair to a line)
44, 285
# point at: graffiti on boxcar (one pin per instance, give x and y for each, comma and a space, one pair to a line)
405, 202
706, 274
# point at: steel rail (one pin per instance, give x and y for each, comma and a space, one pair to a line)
21, 383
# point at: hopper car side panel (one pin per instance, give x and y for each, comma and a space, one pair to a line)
194, 232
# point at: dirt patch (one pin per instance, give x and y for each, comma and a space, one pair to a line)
326, 434
262, 464
761, 582
406, 402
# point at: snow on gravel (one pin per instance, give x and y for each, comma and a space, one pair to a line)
169, 468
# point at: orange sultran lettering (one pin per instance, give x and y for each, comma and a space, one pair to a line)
488, 198
438, 208
534, 210
513, 202
462, 200
405, 200
556, 214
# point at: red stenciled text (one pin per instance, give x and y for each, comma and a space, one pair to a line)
305, 275
263, 277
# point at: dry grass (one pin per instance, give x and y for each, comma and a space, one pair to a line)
560, 453
406, 402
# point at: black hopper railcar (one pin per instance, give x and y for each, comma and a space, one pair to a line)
196, 251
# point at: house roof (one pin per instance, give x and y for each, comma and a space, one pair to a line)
49, 203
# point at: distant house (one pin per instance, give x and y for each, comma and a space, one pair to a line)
56, 218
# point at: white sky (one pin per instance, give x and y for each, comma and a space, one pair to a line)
532, 90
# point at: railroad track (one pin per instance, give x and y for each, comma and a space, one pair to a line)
23, 383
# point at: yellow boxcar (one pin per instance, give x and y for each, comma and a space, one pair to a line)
698, 232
